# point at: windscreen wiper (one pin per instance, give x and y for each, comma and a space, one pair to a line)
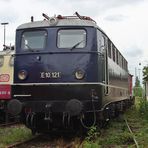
77, 44
30, 49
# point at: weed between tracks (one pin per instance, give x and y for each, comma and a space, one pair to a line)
12, 135
116, 134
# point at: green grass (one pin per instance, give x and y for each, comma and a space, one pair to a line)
14, 134
116, 134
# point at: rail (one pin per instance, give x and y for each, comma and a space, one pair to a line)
130, 130
8, 124
51, 140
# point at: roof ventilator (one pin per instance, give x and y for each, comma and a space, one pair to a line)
52, 20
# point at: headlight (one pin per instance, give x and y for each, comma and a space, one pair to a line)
79, 74
1, 60
22, 75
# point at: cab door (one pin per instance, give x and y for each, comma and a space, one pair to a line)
106, 76
102, 50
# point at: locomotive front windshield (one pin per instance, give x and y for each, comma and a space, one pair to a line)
33, 40
68, 38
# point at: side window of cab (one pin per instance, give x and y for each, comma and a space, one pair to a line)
100, 42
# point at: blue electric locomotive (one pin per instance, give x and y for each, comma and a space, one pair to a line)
67, 74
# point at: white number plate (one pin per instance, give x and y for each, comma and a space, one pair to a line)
48, 75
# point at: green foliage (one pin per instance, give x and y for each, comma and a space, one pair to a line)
91, 139
120, 139
143, 107
92, 134
138, 90
117, 134
145, 73
137, 82
12, 135
87, 144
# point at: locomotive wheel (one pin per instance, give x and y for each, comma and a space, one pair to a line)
28, 118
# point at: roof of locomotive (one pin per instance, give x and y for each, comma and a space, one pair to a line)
60, 21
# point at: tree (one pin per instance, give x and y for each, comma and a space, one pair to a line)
137, 82
138, 91
145, 77
145, 73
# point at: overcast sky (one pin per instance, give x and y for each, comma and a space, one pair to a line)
124, 21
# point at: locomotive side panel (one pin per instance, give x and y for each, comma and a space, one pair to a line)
114, 71
6, 80
6, 74
118, 83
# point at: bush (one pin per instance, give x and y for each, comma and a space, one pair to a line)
92, 134
143, 108
91, 141
138, 91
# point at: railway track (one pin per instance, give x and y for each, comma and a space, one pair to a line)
54, 140
8, 124
50, 141
19, 144
131, 132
